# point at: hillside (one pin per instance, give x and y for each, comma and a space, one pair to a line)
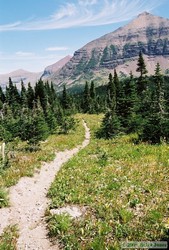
51, 69
120, 49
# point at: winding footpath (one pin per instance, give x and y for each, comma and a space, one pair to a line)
28, 202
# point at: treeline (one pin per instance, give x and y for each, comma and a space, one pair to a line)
133, 104
31, 114
138, 105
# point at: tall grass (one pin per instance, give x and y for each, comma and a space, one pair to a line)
124, 188
24, 162
8, 239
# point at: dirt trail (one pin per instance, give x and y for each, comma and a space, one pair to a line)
29, 202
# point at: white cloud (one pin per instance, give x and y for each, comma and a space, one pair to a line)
56, 49
87, 2
24, 54
87, 13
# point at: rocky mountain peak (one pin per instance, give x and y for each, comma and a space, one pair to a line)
147, 33
146, 20
145, 13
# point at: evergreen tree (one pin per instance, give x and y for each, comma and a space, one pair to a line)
141, 65
92, 91
65, 99
10, 124
34, 126
86, 99
110, 126
93, 99
2, 95
53, 96
51, 120
12, 96
10, 90
41, 94
30, 96
120, 96
132, 119
23, 95
111, 93
156, 123
117, 85
159, 86
142, 83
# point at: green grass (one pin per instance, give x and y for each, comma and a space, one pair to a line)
8, 239
25, 162
124, 188
3, 198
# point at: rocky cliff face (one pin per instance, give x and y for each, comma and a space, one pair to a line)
49, 70
146, 33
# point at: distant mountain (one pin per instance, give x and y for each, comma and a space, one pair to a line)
26, 76
55, 67
19, 75
119, 49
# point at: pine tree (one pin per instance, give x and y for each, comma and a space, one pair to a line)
34, 126
141, 65
10, 92
51, 120
93, 99
86, 99
142, 83
131, 121
30, 96
119, 95
53, 96
40, 92
156, 123
117, 85
23, 95
159, 86
2, 95
65, 99
111, 93
92, 90
110, 126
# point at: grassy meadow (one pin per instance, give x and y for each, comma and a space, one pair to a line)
23, 162
8, 239
124, 187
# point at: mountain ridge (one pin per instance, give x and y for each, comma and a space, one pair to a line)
146, 33
26, 76
118, 49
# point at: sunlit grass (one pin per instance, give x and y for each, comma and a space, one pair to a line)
24, 162
8, 239
124, 187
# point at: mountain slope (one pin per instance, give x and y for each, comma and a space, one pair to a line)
55, 67
147, 33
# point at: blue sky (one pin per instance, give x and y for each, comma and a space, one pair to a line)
37, 33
